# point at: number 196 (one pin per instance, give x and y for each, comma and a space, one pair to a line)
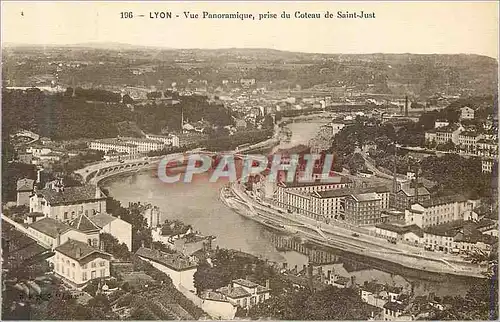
126, 15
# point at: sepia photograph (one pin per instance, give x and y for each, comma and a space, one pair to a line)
249, 160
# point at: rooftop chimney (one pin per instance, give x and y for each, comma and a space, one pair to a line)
80, 252
142, 243
267, 284
230, 287
406, 105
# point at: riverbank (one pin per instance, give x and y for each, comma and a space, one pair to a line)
364, 245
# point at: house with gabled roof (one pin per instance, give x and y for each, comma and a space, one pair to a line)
52, 233
114, 226
78, 263
406, 195
245, 293
66, 203
180, 268
24, 190
84, 224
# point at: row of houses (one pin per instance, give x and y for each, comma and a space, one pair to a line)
459, 236
133, 146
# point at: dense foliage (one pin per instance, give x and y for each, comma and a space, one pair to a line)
61, 116
330, 303
11, 172
227, 265
455, 174
480, 303
132, 215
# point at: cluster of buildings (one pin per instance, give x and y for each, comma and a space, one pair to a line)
220, 303
405, 212
449, 224
479, 141
134, 146
334, 201
69, 221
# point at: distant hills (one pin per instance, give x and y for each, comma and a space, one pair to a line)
235, 51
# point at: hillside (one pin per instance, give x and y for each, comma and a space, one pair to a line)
113, 64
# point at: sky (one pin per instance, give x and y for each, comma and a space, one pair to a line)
398, 27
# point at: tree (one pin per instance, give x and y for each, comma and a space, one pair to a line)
127, 99
113, 246
356, 163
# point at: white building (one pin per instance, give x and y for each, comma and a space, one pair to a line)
245, 293
466, 113
468, 140
144, 145
217, 306
487, 148
172, 140
441, 123
438, 211
487, 165
443, 135
114, 226
53, 233
78, 263
181, 269
24, 189
66, 203
113, 145
37, 151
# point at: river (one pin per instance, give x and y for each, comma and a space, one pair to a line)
197, 203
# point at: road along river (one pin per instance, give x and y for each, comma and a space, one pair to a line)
198, 204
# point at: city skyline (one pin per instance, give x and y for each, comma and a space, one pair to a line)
420, 28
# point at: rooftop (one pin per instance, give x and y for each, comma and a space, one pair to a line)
25, 184
469, 133
333, 193
50, 227
213, 296
394, 306
102, 219
70, 195
319, 182
139, 140
84, 223
174, 261
78, 250
233, 292
114, 142
449, 229
19, 249
401, 229
245, 283
410, 192
442, 201
368, 196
